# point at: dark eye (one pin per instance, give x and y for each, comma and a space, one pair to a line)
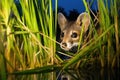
74, 35
62, 34
81, 24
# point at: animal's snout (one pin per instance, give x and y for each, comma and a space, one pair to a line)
64, 45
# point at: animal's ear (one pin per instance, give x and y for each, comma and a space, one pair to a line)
61, 21
83, 20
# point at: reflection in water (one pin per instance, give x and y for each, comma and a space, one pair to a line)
91, 74
78, 74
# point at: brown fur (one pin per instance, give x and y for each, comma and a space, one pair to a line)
70, 30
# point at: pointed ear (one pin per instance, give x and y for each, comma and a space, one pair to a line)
83, 20
61, 21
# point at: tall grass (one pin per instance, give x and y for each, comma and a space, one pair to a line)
105, 42
28, 37
28, 34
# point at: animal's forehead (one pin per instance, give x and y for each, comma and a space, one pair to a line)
71, 26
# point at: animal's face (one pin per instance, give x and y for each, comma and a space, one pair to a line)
70, 31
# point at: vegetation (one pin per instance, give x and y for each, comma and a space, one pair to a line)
28, 43
105, 42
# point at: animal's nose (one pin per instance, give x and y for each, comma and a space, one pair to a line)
64, 45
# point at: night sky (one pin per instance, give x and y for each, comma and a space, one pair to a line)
74, 4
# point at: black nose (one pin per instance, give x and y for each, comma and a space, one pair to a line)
64, 45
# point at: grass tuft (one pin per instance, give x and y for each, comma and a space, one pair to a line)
28, 37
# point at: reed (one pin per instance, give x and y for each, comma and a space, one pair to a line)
28, 34
105, 43
28, 38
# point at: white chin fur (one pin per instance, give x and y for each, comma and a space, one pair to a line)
69, 46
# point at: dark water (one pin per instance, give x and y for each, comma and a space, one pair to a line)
78, 74
91, 74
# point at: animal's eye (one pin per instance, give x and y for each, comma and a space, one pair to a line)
74, 35
81, 24
62, 34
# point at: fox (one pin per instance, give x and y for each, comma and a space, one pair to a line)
70, 30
